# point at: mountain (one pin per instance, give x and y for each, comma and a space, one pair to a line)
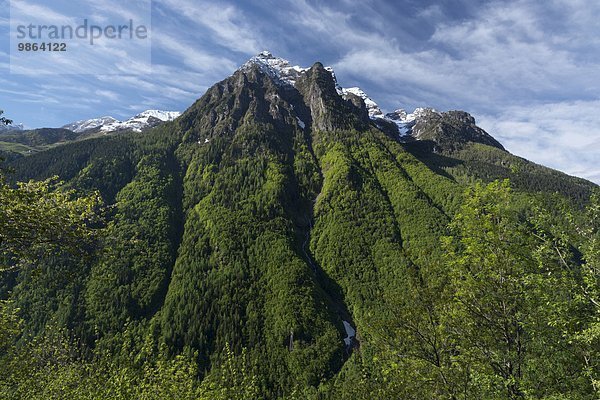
94, 123
144, 120
284, 238
16, 142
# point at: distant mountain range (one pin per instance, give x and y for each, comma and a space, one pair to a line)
16, 141
144, 120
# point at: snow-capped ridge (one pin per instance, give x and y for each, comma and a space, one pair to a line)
405, 121
141, 121
278, 68
402, 119
88, 124
400, 115
160, 114
284, 73
281, 70
372, 107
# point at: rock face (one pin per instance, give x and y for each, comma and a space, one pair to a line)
329, 110
267, 90
451, 130
270, 90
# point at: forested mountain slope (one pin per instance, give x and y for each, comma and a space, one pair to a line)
276, 242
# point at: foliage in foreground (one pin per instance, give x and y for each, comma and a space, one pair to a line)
36, 219
517, 318
53, 366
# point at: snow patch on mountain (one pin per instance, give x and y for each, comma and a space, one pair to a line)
403, 120
372, 107
146, 119
338, 88
88, 124
277, 68
281, 70
141, 121
285, 73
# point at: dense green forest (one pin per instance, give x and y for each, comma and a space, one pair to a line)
225, 254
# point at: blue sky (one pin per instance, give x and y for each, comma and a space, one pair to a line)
528, 70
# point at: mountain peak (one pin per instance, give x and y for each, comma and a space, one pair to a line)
405, 126
400, 119
277, 68
89, 124
372, 107
159, 114
451, 129
281, 70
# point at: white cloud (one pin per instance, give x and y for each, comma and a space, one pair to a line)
80, 56
31, 12
501, 64
136, 11
564, 135
511, 49
225, 21
108, 94
506, 54
192, 57
336, 25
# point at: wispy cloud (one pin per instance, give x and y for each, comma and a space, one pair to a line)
225, 22
81, 56
505, 54
564, 135
191, 56
107, 94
